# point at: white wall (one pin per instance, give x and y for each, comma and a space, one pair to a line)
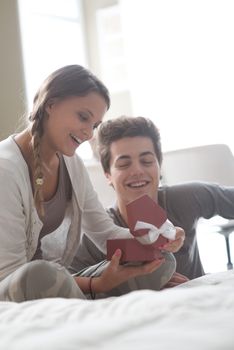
105, 192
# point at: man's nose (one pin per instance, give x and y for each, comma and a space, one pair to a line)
136, 168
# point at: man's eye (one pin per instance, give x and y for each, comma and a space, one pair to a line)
147, 161
122, 165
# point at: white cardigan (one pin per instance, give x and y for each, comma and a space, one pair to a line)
20, 224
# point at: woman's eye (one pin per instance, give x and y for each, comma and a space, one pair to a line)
83, 117
95, 126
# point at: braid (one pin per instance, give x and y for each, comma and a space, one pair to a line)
38, 176
71, 80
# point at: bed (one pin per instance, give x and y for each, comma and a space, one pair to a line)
197, 315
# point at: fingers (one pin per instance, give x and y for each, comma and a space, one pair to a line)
145, 268
178, 278
175, 245
180, 233
171, 285
115, 273
132, 271
151, 266
115, 260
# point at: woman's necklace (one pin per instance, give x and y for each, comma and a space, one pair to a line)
46, 170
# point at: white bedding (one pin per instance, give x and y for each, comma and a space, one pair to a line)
198, 315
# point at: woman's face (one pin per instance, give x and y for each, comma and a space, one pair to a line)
134, 169
71, 121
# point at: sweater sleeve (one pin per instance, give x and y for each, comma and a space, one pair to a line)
12, 222
96, 223
189, 202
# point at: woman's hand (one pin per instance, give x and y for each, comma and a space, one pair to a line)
115, 274
174, 245
176, 280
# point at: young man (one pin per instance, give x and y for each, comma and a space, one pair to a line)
131, 156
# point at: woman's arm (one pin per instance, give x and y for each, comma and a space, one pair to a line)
12, 222
96, 223
115, 274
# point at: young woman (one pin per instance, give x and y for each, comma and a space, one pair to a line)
46, 195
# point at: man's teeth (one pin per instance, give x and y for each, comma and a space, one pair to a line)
138, 184
76, 139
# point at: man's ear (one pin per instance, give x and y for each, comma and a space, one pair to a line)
108, 176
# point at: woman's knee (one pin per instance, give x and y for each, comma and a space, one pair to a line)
40, 279
34, 279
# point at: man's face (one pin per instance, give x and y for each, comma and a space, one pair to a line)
134, 169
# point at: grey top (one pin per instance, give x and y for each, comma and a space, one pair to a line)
185, 205
55, 208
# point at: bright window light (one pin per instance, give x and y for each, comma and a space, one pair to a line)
52, 37
111, 48
180, 58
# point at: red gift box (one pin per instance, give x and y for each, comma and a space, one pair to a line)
146, 210
132, 250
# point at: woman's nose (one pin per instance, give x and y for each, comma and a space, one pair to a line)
88, 133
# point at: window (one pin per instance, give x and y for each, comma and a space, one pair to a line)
179, 57
111, 48
52, 37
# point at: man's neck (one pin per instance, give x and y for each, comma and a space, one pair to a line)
122, 211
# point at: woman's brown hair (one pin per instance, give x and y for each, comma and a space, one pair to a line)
72, 80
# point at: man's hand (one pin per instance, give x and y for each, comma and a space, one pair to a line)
176, 280
174, 245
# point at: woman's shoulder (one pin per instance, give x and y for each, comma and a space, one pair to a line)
11, 158
75, 165
8, 148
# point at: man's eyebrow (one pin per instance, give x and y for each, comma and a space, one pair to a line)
123, 157
146, 153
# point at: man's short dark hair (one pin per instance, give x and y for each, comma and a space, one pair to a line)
121, 127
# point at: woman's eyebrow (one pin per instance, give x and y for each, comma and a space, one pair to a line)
89, 112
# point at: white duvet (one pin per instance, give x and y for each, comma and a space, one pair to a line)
198, 315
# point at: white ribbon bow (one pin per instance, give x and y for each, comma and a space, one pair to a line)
167, 230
